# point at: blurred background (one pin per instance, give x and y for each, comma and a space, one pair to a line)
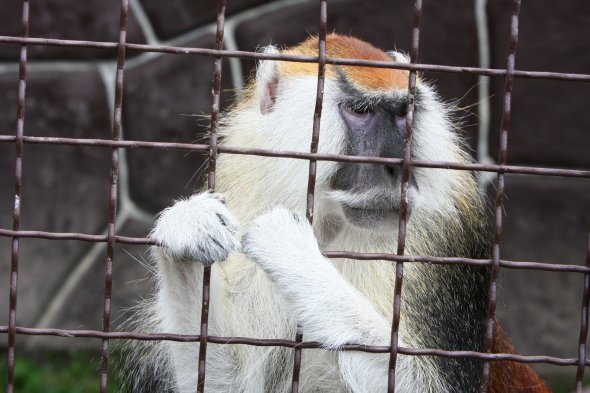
70, 93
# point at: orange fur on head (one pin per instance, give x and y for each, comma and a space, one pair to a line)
337, 46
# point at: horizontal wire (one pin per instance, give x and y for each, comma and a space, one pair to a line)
294, 58
515, 169
71, 333
329, 254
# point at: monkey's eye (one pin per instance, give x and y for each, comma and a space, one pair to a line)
400, 119
357, 112
403, 111
362, 110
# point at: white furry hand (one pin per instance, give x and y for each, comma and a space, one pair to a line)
200, 228
279, 239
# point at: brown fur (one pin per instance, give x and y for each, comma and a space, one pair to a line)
512, 377
364, 78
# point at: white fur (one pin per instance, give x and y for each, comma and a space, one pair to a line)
281, 279
328, 308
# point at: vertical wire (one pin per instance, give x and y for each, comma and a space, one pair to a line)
309, 211
216, 92
583, 325
502, 158
399, 267
318, 109
113, 196
16, 214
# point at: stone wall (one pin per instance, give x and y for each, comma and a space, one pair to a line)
70, 94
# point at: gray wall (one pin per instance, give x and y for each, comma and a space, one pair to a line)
70, 94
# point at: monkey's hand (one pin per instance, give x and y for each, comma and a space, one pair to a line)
200, 228
328, 308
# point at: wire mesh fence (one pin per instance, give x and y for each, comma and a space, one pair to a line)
115, 143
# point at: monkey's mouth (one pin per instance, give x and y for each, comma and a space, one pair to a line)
371, 218
374, 209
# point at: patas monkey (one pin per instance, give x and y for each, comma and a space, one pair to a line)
268, 274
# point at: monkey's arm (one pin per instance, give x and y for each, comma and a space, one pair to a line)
193, 232
328, 308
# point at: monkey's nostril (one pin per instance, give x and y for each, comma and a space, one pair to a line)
390, 171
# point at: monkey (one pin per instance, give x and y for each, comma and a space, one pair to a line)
269, 278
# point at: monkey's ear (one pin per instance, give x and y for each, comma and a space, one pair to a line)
267, 81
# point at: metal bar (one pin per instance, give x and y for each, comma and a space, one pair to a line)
215, 107
576, 77
516, 169
315, 137
113, 195
495, 271
523, 265
16, 213
318, 110
583, 325
71, 333
75, 236
403, 216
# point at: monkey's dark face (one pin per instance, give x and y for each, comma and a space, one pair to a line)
375, 127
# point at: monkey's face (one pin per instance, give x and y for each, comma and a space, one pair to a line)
373, 126
363, 114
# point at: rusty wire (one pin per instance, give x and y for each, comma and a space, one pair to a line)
502, 158
113, 195
577, 77
530, 265
215, 106
111, 238
583, 324
311, 179
131, 144
403, 215
16, 215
